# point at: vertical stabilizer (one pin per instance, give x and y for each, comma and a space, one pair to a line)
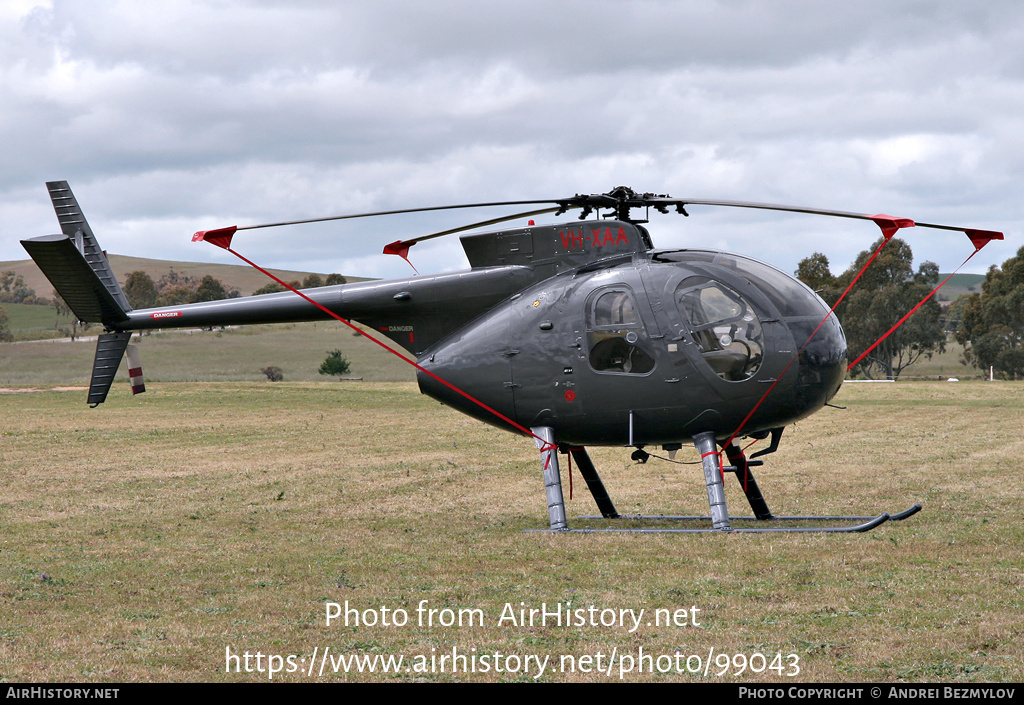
110, 349
74, 225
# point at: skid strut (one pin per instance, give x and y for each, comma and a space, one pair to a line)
719, 515
709, 458
594, 484
747, 481
552, 478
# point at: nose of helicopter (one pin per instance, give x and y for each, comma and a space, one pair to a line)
822, 362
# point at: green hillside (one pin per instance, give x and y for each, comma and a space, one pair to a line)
239, 276
958, 285
28, 322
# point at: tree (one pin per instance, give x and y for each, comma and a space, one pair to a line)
335, 364
334, 279
140, 290
955, 314
210, 289
814, 272
13, 289
61, 307
176, 296
271, 288
888, 289
992, 327
312, 281
173, 280
5, 329
173, 289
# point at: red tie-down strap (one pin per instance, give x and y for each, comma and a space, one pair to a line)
914, 310
889, 226
741, 456
222, 239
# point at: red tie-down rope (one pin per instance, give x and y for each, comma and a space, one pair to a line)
222, 239
913, 310
888, 230
889, 226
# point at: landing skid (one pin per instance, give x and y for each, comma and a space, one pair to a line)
899, 516
719, 517
866, 526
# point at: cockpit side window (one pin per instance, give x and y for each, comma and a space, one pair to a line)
724, 327
615, 334
614, 308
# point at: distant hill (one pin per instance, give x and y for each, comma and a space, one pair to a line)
241, 277
247, 280
959, 285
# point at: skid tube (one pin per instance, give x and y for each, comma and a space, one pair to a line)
899, 516
719, 517
867, 524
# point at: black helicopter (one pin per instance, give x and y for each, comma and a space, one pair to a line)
574, 334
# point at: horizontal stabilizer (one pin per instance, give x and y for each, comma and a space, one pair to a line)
75, 280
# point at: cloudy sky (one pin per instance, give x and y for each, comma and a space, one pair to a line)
172, 117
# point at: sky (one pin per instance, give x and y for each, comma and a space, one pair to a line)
168, 118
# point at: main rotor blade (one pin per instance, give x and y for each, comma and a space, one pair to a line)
398, 245
622, 199
201, 234
978, 237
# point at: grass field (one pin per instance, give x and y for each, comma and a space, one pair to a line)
141, 540
234, 354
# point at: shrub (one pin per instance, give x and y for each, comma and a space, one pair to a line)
274, 374
271, 288
335, 364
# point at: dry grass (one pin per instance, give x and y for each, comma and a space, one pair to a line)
141, 539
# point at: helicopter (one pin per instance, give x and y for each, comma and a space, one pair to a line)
573, 334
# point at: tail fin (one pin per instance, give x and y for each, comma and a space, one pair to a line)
110, 349
75, 264
81, 274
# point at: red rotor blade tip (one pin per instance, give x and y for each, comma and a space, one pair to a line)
398, 247
980, 238
401, 248
221, 237
890, 225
